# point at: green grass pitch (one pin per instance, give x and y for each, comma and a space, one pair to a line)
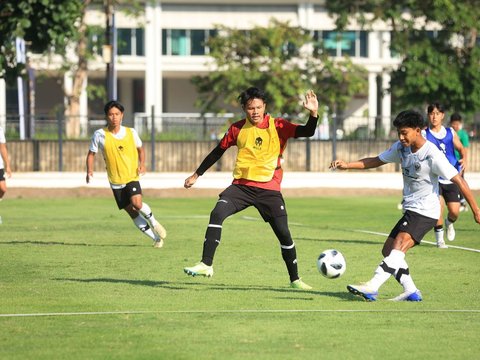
79, 281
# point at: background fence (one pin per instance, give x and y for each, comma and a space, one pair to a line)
185, 156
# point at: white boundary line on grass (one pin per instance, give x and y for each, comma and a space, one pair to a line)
239, 311
251, 218
423, 241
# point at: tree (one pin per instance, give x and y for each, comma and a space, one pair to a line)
279, 59
42, 24
437, 42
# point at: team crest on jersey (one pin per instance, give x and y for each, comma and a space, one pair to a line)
120, 148
417, 166
258, 143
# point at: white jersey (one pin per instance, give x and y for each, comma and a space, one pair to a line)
2, 141
98, 139
420, 176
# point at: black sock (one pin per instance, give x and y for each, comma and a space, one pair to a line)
290, 258
212, 240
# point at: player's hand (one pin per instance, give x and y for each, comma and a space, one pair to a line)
476, 216
338, 164
8, 172
192, 179
463, 165
311, 103
141, 169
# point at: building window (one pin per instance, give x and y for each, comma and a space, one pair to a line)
185, 42
131, 42
347, 43
179, 42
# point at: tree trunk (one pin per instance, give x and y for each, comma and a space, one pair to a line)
72, 111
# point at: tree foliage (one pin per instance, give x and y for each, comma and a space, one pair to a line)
437, 42
279, 59
43, 24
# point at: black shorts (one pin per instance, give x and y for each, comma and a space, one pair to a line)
269, 203
414, 224
450, 192
2, 174
122, 196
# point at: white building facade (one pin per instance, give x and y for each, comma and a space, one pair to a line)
161, 50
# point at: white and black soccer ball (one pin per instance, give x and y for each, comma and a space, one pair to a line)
331, 264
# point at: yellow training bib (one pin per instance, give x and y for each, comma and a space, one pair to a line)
121, 158
258, 152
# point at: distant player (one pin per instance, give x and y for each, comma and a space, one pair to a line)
125, 161
447, 141
261, 140
422, 165
4, 165
457, 125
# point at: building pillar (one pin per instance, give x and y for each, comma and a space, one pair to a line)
3, 104
305, 15
386, 103
372, 96
153, 55
84, 109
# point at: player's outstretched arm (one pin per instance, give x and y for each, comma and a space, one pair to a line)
311, 103
367, 163
467, 193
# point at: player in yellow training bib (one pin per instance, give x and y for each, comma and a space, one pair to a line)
261, 140
125, 161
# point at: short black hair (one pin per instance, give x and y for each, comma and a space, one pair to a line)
251, 93
435, 105
409, 118
455, 117
113, 104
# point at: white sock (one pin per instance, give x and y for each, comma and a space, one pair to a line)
439, 235
404, 278
146, 212
142, 224
387, 267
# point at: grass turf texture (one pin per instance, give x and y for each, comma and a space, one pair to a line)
83, 255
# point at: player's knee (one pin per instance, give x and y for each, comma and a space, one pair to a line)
219, 213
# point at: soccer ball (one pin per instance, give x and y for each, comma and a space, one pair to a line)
331, 264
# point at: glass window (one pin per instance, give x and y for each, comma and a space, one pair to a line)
363, 44
347, 43
140, 42
197, 38
124, 41
330, 40
179, 42
164, 42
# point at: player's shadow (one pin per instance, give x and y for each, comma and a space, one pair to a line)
338, 240
215, 287
150, 283
52, 243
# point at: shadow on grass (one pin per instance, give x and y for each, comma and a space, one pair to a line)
338, 240
50, 243
216, 287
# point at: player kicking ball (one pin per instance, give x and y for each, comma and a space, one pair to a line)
261, 140
422, 163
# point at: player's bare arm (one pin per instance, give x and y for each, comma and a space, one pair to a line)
311, 103
461, 149
6, 160
467, 193
141, 161
366, 163
90, 162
